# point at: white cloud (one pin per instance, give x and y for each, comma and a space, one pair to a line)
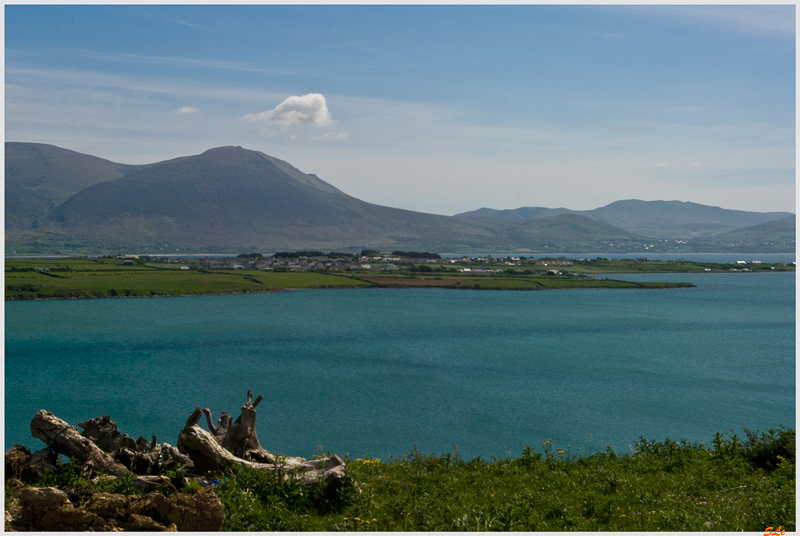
310, 109
187, 110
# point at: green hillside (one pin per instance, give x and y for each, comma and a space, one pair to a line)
767, 236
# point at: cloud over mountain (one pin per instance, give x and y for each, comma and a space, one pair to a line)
304, 110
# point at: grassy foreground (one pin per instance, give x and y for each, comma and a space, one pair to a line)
731, 484
27, 279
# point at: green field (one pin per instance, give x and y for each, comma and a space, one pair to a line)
101, 278
625, 266
110, 277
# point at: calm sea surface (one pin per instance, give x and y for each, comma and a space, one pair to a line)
375, 372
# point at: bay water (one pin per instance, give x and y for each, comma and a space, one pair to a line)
376, 372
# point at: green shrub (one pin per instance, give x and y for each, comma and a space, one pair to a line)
768, 449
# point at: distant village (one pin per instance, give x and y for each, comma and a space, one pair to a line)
293, 262
375, 261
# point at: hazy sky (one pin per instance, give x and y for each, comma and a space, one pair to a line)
438, 109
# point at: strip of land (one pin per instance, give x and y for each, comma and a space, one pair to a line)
71, 278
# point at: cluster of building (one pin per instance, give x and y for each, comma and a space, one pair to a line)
344, 263
292, 264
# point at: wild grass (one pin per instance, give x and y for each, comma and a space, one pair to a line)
661, 486
731, 484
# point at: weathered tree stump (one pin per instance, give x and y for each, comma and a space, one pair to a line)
64, 439
229, 444
240, 438
140, 456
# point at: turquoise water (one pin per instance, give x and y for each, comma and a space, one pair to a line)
374, 372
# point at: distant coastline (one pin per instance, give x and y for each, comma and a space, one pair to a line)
110, 277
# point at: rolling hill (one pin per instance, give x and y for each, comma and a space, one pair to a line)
40, 177
773, 235
232, 199
659, 219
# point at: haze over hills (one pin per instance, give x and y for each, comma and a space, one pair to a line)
232, 199
661, 219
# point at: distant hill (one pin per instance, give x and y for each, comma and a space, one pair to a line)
678, 219
40, 177
519, 214
660, 219
231, 199
578, 231
775, 234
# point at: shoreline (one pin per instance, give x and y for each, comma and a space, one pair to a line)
633, 286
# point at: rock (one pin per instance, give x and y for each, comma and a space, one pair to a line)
50, 509
42, 497
142, 523
199, 511
109, 506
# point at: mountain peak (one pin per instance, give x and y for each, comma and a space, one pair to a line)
230, 151
232, 197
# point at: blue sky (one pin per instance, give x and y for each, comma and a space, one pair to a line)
440, 109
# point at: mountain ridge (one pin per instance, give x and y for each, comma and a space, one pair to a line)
662, 219
231, 198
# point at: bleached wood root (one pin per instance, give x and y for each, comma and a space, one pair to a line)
64, 439
208, 454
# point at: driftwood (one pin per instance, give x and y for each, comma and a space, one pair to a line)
236, 443
65, 439
240, 438
140, 456
229, 443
